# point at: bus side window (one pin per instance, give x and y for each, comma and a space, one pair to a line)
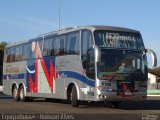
26, 51
34, 45
86, 43
52, 46
90, 64
31, 53
73, 43
11, 54
40, 43
62, 44
57, 46
87, 54
47, 49
77, 36
18, 53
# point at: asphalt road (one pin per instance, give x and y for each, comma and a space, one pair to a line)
52, 110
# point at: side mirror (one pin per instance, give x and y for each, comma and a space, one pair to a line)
97, 53
154, 57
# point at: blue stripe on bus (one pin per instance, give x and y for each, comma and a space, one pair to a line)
69, 74
14, 76
78, 76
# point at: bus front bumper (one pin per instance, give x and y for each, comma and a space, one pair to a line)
127, 97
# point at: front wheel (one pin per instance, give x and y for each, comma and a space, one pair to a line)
115, 105
74, 98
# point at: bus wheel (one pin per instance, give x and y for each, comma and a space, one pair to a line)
74, 99
115, 105
21, 94
15, 93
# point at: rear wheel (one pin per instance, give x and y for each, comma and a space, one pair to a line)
15, 93
74, 98
22, 94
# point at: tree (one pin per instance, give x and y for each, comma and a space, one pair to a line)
3, 45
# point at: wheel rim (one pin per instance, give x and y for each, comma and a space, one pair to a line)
71, 96
21, 94
15, 93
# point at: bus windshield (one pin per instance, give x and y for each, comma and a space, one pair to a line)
121, 40
120, 62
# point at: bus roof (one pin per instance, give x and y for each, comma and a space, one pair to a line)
71, 29
112, 28
91, 27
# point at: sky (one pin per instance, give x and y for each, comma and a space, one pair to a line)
25, 19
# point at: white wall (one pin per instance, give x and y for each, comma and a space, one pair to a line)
152, 78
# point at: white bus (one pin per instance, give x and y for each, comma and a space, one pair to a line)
89, 63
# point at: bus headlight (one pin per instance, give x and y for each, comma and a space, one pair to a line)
102, 96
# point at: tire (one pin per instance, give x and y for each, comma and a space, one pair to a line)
15, 93
22, 94
115, 105
74, 98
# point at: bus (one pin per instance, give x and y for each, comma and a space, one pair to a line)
79, 64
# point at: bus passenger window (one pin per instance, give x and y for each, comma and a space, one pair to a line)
40, 43
86, 43
87, 61
57, 46
73, 43
18, 53
11, 54
47, 48
62, 44
26, 51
